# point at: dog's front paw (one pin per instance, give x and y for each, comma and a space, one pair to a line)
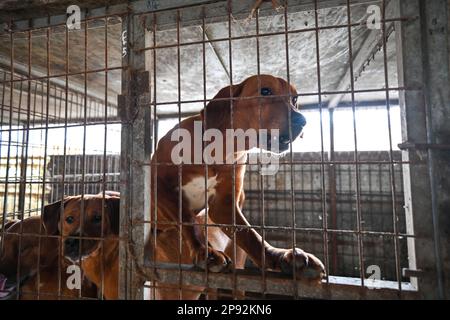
214, 261
307, 266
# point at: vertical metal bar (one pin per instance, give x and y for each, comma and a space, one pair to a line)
59, 100
47, 102
2, 231
356, 159
288, 76
333, 193
135, 155
23, 169
322, 151
8, 156
34, 102
261, 179
63, 181
81, 185
20, 216
154, 227
30, 185
71, 105
124, 166
180, 167
102, 266
233, 176
17, 143
391, 155
24, 158
203, 142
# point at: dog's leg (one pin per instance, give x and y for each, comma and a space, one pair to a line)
241, 255
204, 256
307, 265
166, 291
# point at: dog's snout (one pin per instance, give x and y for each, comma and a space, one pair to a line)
71, 244
298, 119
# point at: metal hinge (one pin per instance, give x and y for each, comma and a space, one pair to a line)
412, 273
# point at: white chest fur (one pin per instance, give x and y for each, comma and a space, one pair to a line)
194, 191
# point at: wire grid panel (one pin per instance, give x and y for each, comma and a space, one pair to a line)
59, 121
340, 196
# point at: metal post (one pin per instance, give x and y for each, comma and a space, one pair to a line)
422, 50
135, 158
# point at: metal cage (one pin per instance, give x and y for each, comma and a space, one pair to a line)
368, 197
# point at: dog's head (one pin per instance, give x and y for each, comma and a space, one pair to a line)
79, 220
259, 102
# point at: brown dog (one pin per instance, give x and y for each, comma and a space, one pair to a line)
81, 236
258, 103
52, 287
35, 270
25, 234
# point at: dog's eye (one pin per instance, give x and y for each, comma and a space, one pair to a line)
266, 91
97, 218
294, 101
70, 219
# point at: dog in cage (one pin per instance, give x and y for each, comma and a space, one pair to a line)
89, 227
29, 264
186, 193
38, 251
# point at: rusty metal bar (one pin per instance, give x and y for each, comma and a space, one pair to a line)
395, 216
142, 7
154, 199
47, 48
229, 6
105, 140
333, 192
355, 139
5, 199
338, 287
205, 125
261, 178
136, 150
287, 95
270, 34
180, 167
291, 169
332, 181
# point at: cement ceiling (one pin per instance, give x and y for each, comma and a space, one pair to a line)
333, 48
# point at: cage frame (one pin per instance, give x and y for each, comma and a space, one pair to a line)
419, 84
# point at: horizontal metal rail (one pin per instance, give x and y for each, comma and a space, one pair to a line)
278, 284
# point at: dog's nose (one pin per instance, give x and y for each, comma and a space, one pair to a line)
298, 119
71, 244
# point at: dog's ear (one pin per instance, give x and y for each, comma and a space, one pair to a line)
113, 204
218, 110
8, 224
51, 216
